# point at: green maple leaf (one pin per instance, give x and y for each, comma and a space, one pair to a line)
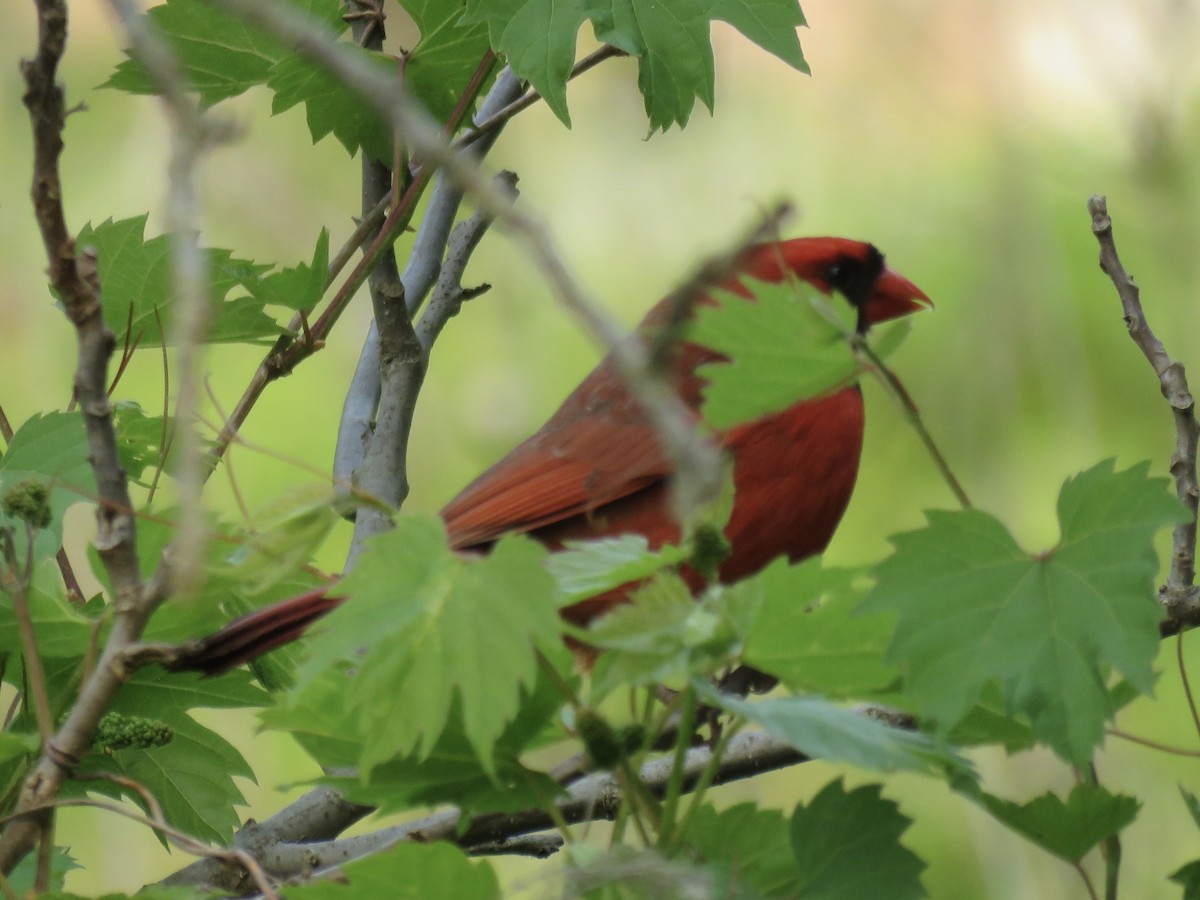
748, 846
1068, 830
847, 846
192, 776
450, 773
790, 344
220, 55
439, 67
425, 628
587, 568
52, 449
135, 277
974, 608
408, 872
329, 106
670, 40
804, 631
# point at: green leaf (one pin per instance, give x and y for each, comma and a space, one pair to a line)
330, 106
973, 607
140, 438
299, 287
771, 24
790, 344
670, 40
1068, 830
438, 69
220, 56
661, 635
62, 631
408, 872
675, 57
193, 776
51, 448
538, 39
24, 876
748, 846
16, 744
989, 722
847, 846
138, 304
135, 273
805, 634
587, 568
423, 626
1189, 876
450, 773
283, 538
821, 730
1192, 804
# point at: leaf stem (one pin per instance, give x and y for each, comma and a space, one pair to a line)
1110, 847
706, 779
1183, 677
683, 739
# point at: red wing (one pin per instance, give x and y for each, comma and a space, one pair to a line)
596, 449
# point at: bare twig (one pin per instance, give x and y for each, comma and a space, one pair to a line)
1153, 745
448, 294
714, 270
896, 388
192, 133
1179, 596
424, 264
1186, 682
181, 839
73, 276
493, 121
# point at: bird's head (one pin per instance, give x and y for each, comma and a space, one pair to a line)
854, 269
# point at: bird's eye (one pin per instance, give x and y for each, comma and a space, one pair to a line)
834, 271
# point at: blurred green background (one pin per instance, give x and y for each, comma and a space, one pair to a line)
962, 137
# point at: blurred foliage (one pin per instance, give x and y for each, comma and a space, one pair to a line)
961, 137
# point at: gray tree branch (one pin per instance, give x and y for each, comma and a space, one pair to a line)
1179, 595
593, 797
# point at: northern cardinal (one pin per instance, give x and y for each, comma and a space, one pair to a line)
595, 469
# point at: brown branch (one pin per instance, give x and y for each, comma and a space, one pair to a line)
73, 276
1179, 595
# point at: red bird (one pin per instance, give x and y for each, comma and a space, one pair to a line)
596, 469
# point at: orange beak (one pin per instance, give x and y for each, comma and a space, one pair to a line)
894, 296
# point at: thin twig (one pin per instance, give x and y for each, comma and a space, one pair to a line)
1153, 745
1178, 596
74, 277
18, 576
1187, 686
1110, 847
896, 388
181, 839
497, 120
1087, 881
192, 133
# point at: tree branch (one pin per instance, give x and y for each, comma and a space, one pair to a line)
424, 263
74, 277
592, 798
1179, 595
